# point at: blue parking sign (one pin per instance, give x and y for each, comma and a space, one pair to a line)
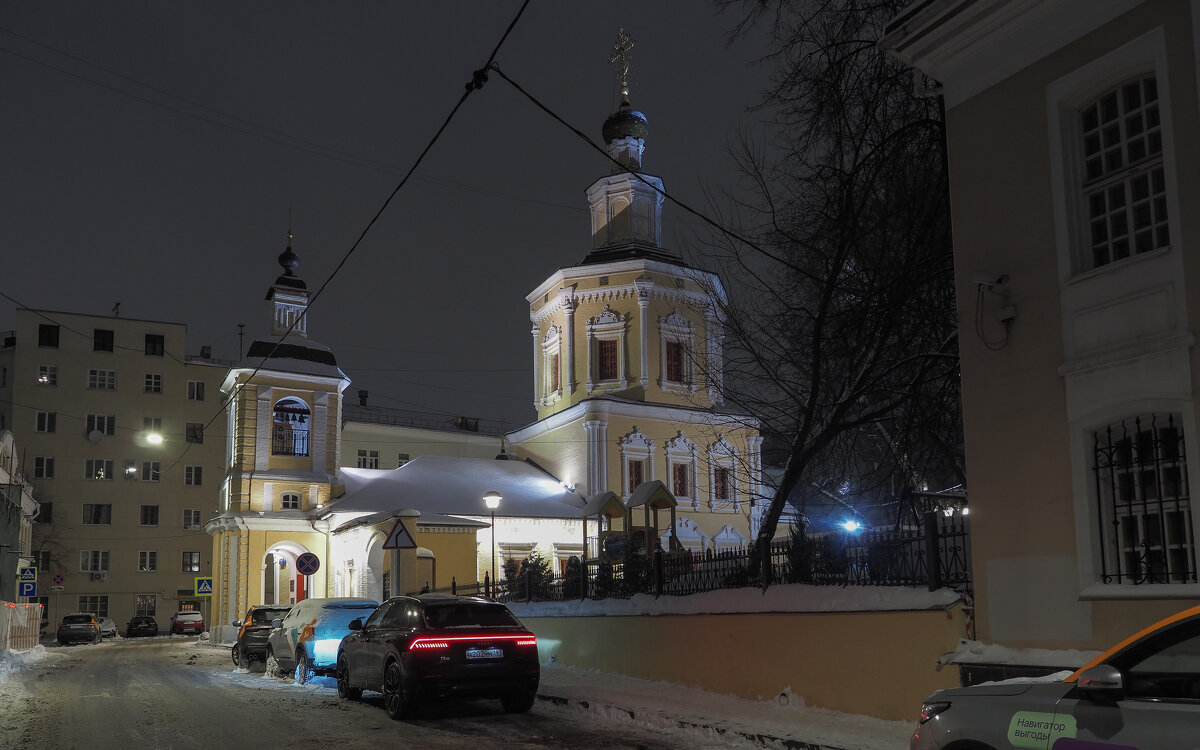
27, 588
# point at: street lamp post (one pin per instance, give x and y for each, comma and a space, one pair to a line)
492, 500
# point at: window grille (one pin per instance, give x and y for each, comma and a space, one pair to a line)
1144, 513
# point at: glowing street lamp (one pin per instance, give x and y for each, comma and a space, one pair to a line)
492, 500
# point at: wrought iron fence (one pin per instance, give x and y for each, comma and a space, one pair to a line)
879, 558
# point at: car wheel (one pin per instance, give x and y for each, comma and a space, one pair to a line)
345, 689
237, 659
304, 671
518, 703
398, 703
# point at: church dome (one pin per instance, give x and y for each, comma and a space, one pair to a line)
626, 122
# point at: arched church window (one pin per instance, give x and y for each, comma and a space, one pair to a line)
552, 365
291, 421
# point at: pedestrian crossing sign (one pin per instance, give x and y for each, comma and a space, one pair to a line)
203, 587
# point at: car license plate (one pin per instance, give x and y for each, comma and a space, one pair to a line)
485, 653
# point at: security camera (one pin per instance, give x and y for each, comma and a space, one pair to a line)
989, 279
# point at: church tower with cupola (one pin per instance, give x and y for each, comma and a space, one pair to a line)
283, 412
627, 358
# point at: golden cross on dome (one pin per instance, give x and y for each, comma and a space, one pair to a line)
620, 59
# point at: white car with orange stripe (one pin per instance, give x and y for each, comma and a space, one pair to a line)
1142, 694
304, 642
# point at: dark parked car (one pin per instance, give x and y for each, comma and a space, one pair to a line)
141, 625
253, 631
433, 647
78, 627
187, 622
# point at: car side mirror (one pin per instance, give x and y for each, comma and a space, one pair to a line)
355, 624
235, 623
1102, 682
276, 622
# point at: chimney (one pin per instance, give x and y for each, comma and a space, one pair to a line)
362, 397
206, 352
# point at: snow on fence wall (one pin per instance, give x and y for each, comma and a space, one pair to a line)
20, 626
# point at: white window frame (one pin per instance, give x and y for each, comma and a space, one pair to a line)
151, 471
195, 390
192, 519
102, 380
722, 454
193, 476
43, 467
635, 446
681, 451
677, 329
147, 561
607, 326
552, 353
105, 424
46, 421
98, 469
186, 563
93, 561
153, 383
47, 375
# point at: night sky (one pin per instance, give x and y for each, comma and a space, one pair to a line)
154, 151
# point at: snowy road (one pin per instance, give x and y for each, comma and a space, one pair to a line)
178, 694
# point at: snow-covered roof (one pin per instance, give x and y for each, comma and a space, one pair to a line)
451, 485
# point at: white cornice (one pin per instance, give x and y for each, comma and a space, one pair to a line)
607, 408
971, 45
566, 277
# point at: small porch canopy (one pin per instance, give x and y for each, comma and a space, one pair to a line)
654, 495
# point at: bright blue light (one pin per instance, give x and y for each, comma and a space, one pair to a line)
851, 525
325, 651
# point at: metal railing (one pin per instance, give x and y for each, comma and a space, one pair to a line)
879, 558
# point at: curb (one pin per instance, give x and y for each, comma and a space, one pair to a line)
612, 711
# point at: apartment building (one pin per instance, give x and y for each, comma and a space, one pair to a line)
122, 435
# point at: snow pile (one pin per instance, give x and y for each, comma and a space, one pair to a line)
14, 661
793, 597
977, 652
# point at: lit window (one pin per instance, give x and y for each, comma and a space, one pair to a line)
145, 605
47, 375
191, 562
98, 468
289, 435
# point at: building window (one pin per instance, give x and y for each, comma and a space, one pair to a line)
147, 561
96, 604
102, 380
1124, 186
152, 424
149, 515
606, 350
48, 335
43, 467
45, 513
105, 424
368, 459
102, 340
1144, 502
155, 345
289, 435
192, 475
636, 471
290, 501
46, 421
194, 432
191, 562
97, 513
145, 605
153, 383
721, 483
677, 335
401, 459
93, 560
150, 471
98, 468
131, 471
195, 390
679, 480
191, 518
47, 375
606, 353
551, 366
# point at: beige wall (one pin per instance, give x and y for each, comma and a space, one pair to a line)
875, 663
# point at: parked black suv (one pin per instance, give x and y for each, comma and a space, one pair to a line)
253, 631
141, 625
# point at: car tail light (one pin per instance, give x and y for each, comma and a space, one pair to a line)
422, 644
527, 642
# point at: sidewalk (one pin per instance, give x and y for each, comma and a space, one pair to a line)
674, 708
